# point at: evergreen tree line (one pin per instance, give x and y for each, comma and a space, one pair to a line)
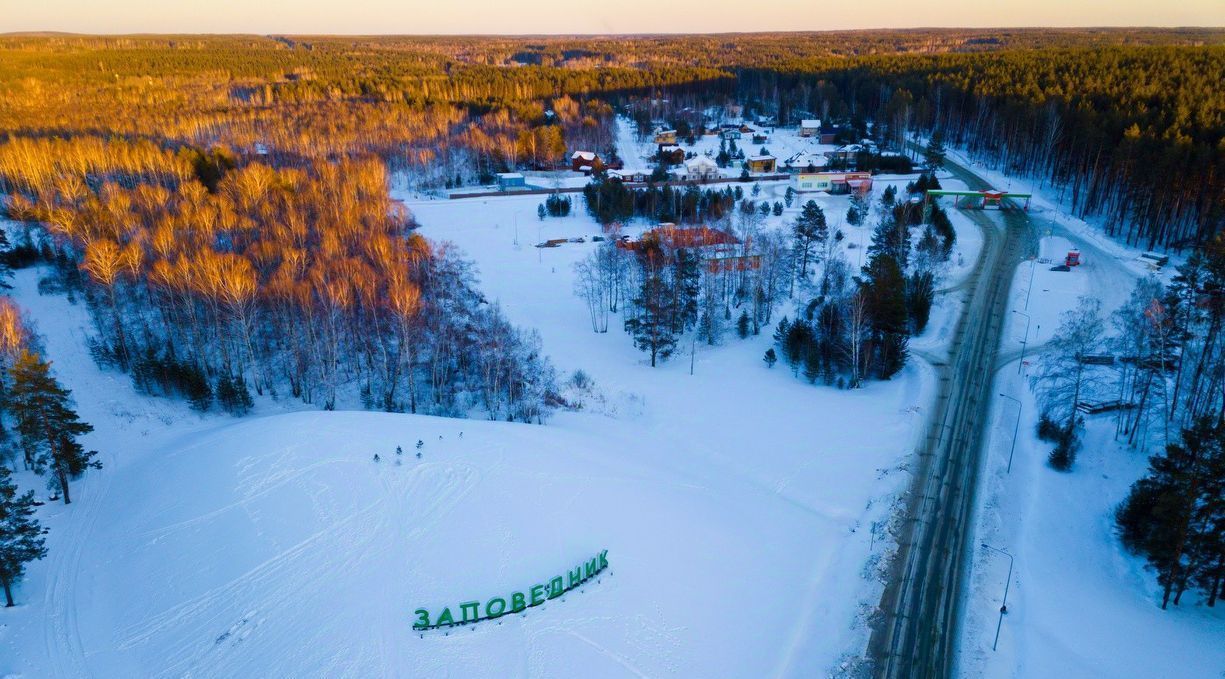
611, 201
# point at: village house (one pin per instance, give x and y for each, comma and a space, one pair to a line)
721, 251
665, 137
761, 163
585, 159
805, 161
810, 128
698, 169
829, 133
631, 176
731, 133
834, 182
846, 157
671, 154
760, 138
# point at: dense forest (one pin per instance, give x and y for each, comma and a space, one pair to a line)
222, 202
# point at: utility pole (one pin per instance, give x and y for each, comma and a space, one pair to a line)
1030, 289
1015, 430
1024, 341
1004, 604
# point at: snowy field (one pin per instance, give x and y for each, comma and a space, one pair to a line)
742, 516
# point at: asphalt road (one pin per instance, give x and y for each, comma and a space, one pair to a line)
916, 635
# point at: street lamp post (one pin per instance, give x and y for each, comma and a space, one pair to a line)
1024, 341
1004, 604
1016, 430
1030, 289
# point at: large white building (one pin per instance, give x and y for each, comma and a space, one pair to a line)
698, 168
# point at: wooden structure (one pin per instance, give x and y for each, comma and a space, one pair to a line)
671, 154
588, 159
761, 163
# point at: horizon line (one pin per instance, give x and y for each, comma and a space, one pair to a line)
642, 34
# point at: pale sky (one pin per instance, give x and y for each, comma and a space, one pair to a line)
582, 16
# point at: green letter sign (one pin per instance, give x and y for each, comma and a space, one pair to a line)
519, 602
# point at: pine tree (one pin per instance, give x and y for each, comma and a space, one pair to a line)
886, 306
920, 294
688, 287
770, 358
6, 271
1174, 515
933, 155
233, 395
652, 325
742, 324
780, 333
21, 538
858, 210
808, 232
48, 425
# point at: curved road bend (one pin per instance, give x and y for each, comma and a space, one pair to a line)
917, 631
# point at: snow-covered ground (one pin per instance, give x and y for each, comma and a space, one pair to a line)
781, 142
1078, 604
743, 518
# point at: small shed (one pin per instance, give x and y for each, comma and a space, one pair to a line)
509, 181
762, 163
810, 128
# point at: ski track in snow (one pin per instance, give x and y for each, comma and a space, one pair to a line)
280, 580
63, 637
